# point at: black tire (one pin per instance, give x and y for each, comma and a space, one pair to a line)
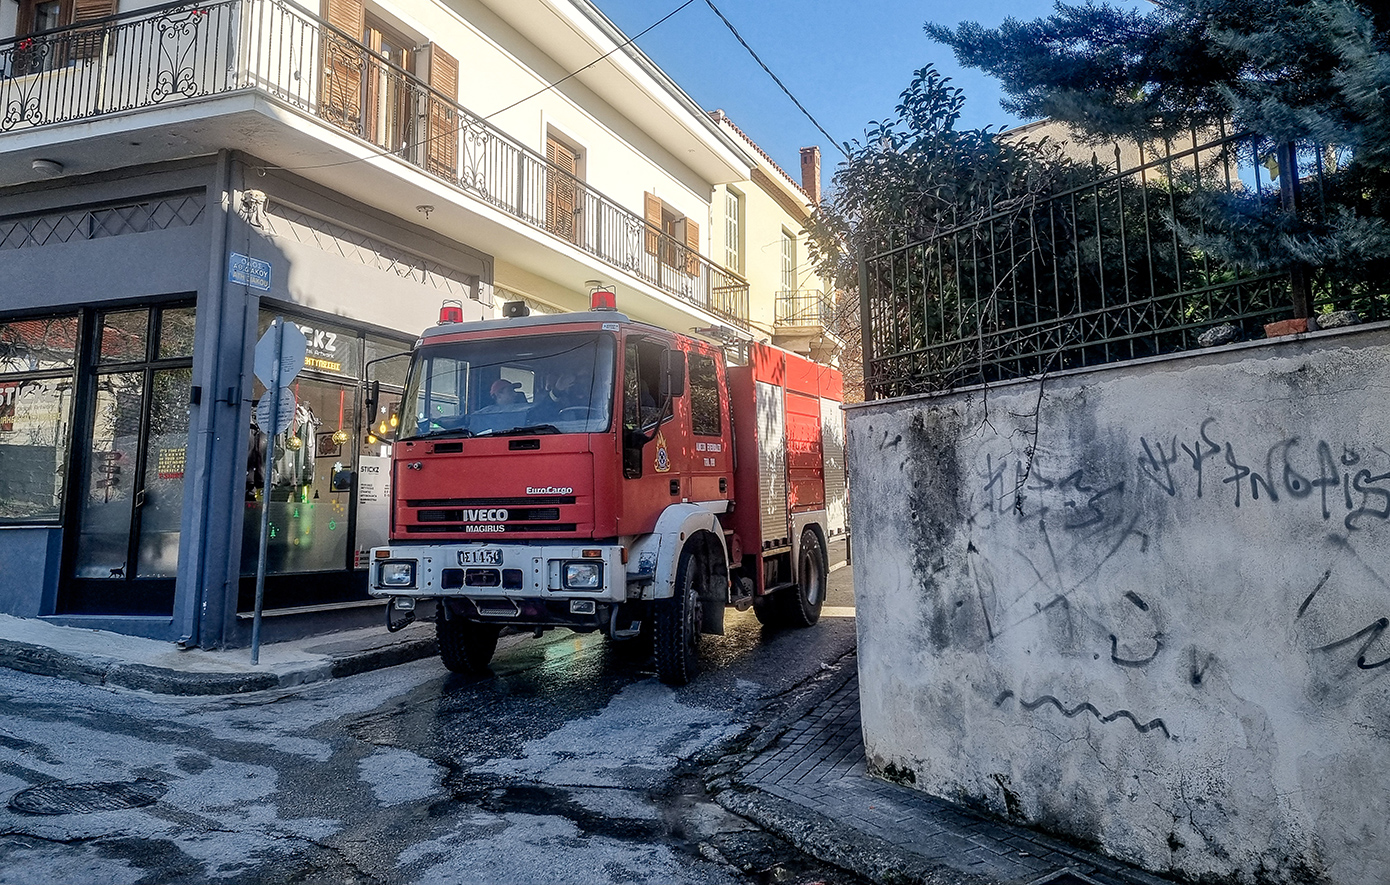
801, 604
465, 646
677, 624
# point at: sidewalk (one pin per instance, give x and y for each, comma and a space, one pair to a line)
97, 657
810, 785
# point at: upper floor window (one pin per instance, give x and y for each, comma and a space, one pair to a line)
733, 230
788, 261
671, 236
36, 16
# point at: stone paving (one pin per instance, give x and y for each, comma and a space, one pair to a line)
819, 765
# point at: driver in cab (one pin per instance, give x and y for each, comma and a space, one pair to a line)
565, 397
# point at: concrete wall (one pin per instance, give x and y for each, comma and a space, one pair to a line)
1142, 606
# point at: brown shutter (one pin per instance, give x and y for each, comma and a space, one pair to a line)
442, 120
560, 192
652, 207
692, 246
341, 102
87, 43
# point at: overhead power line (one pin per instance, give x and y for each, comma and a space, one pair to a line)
739, 37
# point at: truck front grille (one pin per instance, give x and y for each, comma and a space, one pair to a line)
530, 514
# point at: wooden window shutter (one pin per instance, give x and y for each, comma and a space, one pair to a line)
561, 194
87, 44
652, 209
341, 102
692, 246
88, 10
442, 119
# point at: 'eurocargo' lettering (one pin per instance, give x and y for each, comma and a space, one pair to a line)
550, 490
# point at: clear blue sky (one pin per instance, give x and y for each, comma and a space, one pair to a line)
845, 60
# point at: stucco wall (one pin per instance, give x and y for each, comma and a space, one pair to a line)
1151, 618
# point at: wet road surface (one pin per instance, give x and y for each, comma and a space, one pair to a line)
569, 764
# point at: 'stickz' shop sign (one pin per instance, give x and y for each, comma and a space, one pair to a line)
334, 353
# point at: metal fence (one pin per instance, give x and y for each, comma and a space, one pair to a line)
804, 307
1093, 274
180, 52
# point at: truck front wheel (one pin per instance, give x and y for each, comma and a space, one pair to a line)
802, 603
466, 646
677, 624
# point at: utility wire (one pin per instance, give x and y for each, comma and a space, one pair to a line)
629, 42
384, 152
739, 37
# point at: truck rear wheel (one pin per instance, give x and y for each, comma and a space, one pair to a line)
466, 646
801, 604
677, 624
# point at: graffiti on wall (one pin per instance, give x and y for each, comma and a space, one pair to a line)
1043, 529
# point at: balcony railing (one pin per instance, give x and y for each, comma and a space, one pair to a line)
158, 56
803, 307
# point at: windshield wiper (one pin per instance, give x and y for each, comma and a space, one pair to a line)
451, 433
520, 431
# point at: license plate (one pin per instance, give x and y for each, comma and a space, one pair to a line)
486, 556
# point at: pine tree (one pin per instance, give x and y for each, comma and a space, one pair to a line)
1311, 72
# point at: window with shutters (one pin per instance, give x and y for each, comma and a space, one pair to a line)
564, 205
788, 261
71, 47
671, 236
733, 230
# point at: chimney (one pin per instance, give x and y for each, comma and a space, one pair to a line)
810, 172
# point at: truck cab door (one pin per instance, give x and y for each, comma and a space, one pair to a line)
653, 439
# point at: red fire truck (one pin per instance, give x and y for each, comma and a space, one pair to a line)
590, 472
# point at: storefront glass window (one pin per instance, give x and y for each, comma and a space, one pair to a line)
37, 357
306, 472
176, 333
166, 451
122, 336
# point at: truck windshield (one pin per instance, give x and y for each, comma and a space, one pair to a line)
494, 387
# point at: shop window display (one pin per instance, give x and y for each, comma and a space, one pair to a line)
37, 360
321, 477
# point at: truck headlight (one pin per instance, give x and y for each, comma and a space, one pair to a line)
396, 574
583, 575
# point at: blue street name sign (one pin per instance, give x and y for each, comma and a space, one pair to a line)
247, 271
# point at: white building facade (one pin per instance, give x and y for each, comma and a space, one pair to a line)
175, 177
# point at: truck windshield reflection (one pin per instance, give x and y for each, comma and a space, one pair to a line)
511, 386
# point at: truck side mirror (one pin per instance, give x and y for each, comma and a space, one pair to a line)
373, 398
672, 373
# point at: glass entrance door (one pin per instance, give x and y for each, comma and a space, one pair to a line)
122, 544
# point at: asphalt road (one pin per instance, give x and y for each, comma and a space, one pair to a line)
570, 764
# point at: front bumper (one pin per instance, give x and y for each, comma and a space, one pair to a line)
500, 572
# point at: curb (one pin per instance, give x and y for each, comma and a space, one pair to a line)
834, 843
96, 670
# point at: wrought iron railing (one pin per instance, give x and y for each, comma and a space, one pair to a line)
803, 307
1097, 273
178, 52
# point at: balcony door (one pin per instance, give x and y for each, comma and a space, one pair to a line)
562, 203
390, 109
